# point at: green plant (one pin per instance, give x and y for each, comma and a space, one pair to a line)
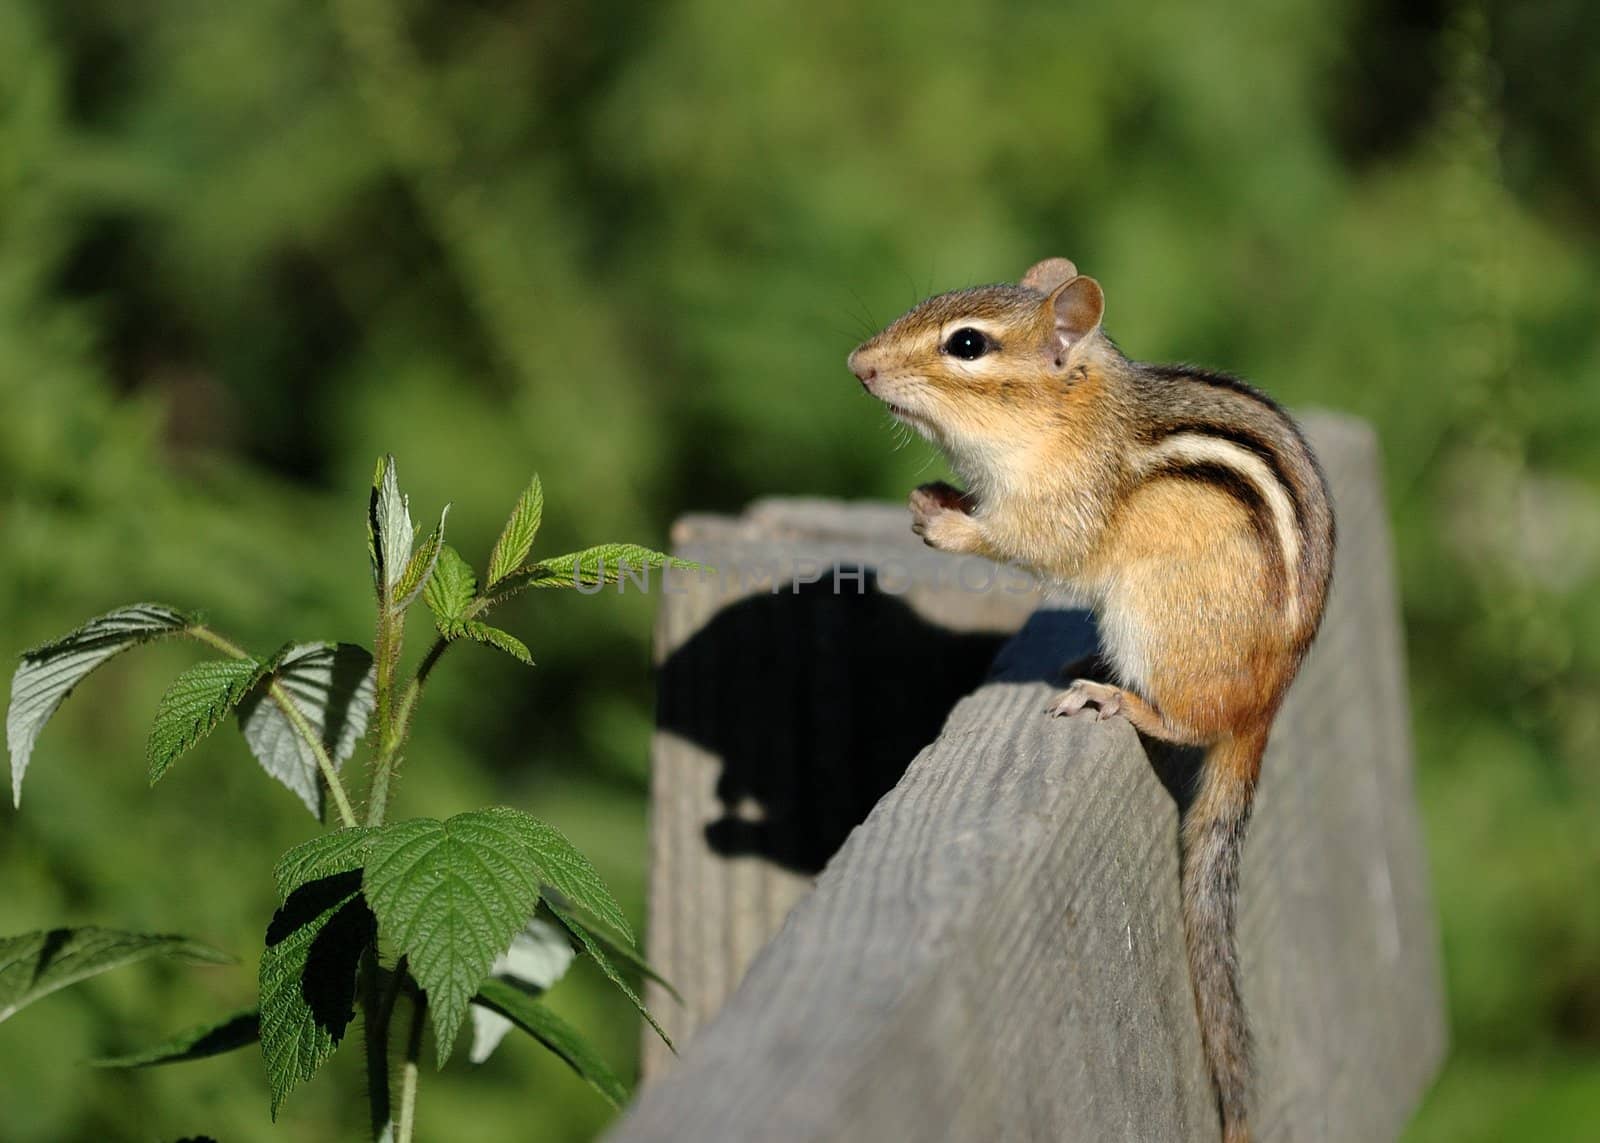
475, 914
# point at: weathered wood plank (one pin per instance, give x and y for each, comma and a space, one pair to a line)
783, 715
996, 952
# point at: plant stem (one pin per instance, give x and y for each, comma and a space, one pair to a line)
291, 711
386, 653
399, 730
408, 701
376, 1005
408, 1074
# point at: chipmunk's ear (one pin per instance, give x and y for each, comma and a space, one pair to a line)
1078, 306
1047, 275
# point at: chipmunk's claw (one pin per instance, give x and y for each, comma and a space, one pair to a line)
1106, 698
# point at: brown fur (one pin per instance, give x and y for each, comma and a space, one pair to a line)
1184, 505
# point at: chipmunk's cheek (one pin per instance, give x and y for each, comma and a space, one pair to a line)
911, 404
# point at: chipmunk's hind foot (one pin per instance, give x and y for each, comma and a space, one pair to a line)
1106, 698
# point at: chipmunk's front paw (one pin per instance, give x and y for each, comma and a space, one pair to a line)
947, 530
939, 516
931, 498
1106, 698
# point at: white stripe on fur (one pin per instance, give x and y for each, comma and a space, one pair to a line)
1202, 449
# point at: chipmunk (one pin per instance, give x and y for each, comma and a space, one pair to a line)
1183, 506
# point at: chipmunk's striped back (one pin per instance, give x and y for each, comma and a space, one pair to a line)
1210, 427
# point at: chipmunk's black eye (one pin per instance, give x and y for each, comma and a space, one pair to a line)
967, 344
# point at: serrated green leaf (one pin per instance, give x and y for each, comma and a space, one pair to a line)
480, 632
36, 964
449, 591
339, 851
568, 871
195, 703
538, 957
450, 895
592, 947
372, 531
615, 945
390, 532
554, 1033
592, 567
308, 977
516, 538
419, 568
47, 673
213, 1039
331, 685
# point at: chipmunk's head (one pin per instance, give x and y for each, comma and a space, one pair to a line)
991, 368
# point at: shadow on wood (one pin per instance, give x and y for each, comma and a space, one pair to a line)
996, 953
794, 688
792, 786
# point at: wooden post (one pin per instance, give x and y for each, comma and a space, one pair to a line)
996, 952
788, 703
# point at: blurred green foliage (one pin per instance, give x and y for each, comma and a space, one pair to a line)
244, 248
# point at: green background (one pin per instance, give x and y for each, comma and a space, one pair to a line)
246, 247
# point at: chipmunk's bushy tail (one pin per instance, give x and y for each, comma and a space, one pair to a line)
1213, 837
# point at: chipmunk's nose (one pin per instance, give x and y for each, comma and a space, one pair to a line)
865, 371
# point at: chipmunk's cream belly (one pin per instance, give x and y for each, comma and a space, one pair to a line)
1054, 539
1124, 640
1195, 654
1181, 595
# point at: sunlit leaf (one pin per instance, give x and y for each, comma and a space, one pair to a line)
569, 872
331, 685
213, 1039
450, 591
390, 531
450, 895
338, 851
615, 944
481, 632
308, 977
554, 1033
593, 948
196, 702
592, 567
420, 566
38, 963
516, 539
538, 957
48, 673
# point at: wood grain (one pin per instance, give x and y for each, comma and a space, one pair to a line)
996, 952
785, 710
